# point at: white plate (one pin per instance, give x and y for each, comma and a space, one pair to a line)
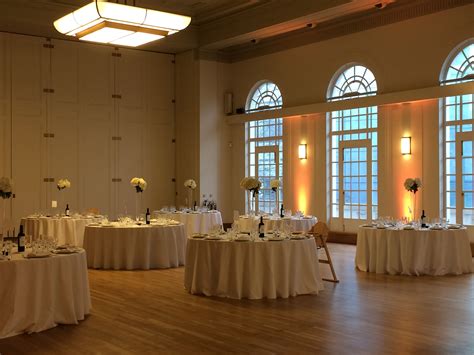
242, 238
454, 226
212, 237
36, 256
275, 239
65, 251
199, 236
298, 237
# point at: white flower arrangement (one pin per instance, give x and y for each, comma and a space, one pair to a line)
412, 185
5, 188
190, 184
139, 184
63, 184
275, 184
251, 184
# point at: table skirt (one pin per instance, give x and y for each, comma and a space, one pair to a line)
196, 222
252, 269
141, 247
413, 252
39, 294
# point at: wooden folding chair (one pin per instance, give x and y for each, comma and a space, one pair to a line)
320, 233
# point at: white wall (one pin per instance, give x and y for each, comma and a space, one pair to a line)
97, 138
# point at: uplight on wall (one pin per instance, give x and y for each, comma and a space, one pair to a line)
405, 145
107, 22
302, 151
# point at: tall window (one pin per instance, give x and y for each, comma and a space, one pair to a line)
458, 137
353, 150
265, 144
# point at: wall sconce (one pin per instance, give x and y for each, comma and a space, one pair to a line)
302, 151
406, 146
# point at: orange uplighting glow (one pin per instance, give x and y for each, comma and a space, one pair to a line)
302, 199
302, 183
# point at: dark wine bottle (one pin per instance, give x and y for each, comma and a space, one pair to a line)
261, 228
282, 211
147, 216
21, 240
423, 224
67, 211
195, 206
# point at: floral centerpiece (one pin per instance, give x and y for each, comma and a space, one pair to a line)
252, 185
139, 184
5, 188
190, 184
413, 185
275, 184
63, 184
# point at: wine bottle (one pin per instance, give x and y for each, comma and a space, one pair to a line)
195, 206
21, 240
67, 210
423, 224
147, 216
282, 211
261, 228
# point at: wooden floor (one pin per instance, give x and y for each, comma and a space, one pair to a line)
150, 312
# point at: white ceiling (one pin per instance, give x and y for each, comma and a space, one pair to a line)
217, 25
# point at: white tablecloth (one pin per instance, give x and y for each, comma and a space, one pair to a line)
135, 247
38, 294
196, 222
246, 223
252, 269
413, 252
68, 230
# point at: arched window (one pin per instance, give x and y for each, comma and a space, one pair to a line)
353, 183
265, 144
458, 137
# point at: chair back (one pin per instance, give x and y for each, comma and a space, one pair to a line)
320, 229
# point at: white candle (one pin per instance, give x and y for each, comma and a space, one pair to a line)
54, 204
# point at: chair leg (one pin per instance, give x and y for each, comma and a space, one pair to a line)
329, 261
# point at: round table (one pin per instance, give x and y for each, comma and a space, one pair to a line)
38, 294
413, 252
68, 230
195, 222
304, 224
135, 247
254, 270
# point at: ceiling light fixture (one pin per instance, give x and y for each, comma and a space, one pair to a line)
119, 24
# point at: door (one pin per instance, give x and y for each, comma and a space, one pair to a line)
267, 168
355, 193
464, 178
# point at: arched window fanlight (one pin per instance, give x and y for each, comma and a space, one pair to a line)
461, 67
266, 96
353, 81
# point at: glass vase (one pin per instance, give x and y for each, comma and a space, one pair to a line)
190, 198
138, 203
